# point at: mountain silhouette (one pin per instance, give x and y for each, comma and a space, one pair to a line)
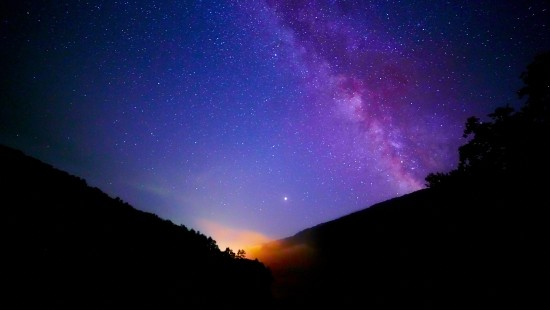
432, 249
68, 245
478, 236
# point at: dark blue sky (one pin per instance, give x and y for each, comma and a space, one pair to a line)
256, 119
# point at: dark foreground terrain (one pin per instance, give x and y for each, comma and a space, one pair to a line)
432, 249
65, 244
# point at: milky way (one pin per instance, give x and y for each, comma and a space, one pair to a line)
249, 120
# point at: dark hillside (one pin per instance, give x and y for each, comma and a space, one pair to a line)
477, 237
67, 244
434, 248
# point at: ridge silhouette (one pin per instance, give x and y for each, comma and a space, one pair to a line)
67, 245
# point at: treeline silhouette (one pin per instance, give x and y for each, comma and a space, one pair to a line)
512, 147
67, 245
477, 237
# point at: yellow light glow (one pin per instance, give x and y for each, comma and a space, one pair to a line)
231, 237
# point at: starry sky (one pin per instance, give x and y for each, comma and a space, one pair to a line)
252, 120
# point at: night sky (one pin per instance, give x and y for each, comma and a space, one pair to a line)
256, 119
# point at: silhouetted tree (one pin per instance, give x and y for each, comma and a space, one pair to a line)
511, 144
537, 88
212, 245
241, 254
229, 253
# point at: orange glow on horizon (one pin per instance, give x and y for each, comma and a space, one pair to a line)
233, 238
287, 261
281, 257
